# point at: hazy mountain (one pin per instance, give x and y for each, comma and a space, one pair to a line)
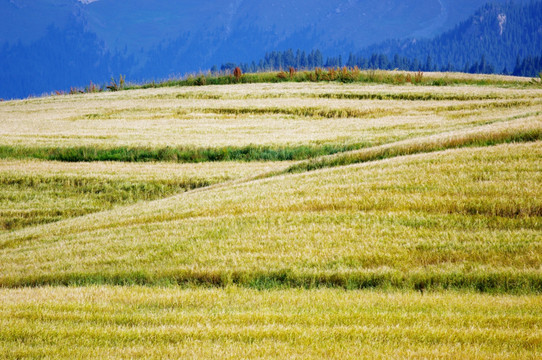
498, 33
52, 44
144, 23
25, 21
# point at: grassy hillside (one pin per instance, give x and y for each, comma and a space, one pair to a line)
317, 220
288, 116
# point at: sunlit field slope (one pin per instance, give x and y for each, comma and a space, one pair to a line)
232, 323
290, 120
291, 220
466, 218
35, 192
250, 123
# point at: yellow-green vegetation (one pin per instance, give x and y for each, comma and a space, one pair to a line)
36, 192
515, 130
143, 125
274, 220
233, 323
339, 75
467, 218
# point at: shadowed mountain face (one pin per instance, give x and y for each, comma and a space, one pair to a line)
497, 34
145, 23
147, 39
312, 23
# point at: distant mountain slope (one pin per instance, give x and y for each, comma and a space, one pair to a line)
144, 23
58, 61
500, 33
26, 21
54, 44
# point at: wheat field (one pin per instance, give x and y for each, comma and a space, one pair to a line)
287, 114
234, 323
291, 220
37, 192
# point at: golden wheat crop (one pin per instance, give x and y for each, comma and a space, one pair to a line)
457, 213
254, 114
233, 323
36, 192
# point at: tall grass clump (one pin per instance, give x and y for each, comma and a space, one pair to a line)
537, 82
237, 73
117, 85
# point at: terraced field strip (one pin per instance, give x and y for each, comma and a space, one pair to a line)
36, 192
319, 118
232, 323
466, 218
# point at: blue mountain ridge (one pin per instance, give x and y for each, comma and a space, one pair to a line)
54, 44
497, 34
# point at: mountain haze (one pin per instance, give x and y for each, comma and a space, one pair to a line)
54, 44
144, 23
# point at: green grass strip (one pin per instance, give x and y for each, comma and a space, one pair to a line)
494, 282
175, 154
345, 75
